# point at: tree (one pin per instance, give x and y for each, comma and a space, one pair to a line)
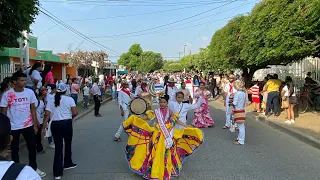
274, 33
136, 59
172, 66
15, 17
150, 62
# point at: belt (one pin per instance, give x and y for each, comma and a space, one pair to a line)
63, 120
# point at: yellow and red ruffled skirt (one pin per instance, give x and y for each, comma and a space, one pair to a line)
147, 155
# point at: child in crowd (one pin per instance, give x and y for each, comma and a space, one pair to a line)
255, 92
86, 90
4, 86
40, 105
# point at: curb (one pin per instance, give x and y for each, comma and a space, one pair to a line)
290, 131
89, 110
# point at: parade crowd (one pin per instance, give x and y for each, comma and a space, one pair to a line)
35, 104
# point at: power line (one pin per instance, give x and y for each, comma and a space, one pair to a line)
51, 16
141, 14
131, 3
175, 22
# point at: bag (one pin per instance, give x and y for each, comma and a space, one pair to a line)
240, 115
13, 171
285, 103
48, 130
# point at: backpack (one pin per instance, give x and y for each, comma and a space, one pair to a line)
13, 171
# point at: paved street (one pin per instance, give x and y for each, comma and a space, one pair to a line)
268, 153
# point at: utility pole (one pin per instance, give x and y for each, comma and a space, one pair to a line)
184, 50
179, 55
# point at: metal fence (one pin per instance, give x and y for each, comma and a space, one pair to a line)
297, 71
6, 70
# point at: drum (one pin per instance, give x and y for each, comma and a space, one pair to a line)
138, 106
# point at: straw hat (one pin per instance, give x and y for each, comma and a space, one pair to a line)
239, 85
171, 80
232, 76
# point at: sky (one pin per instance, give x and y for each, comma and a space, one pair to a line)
170, 27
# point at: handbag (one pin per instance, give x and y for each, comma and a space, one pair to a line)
240, 115
285, 103
48, 130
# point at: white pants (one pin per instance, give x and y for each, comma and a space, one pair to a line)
242, 133
125, 117
228, 112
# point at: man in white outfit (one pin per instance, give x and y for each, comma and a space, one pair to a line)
171, 90
229, 90
124, 99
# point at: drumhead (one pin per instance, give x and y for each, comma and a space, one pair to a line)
138, 106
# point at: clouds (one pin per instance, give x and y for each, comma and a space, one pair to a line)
205, 38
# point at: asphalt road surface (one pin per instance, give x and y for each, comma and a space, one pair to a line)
268, 153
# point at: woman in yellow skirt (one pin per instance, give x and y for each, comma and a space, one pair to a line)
158, 152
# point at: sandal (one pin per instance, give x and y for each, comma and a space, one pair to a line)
225, 127
237, 143
117, 139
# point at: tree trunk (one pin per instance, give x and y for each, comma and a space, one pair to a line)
248, 75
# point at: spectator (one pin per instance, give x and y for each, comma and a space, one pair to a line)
47, 77
19, 104
61, 111
75, 89
7, 167
288, 94
34, 79
272, 87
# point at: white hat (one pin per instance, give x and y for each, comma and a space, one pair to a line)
62, 87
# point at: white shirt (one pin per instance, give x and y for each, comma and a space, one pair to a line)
124, 100
172, 92
18, 107
138, 91
227, 89
27, 172
62, 112
240, 100
49, 97
86, 91
40, 110
182, 109
34, 76
286, 91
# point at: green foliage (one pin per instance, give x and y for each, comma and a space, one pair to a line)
172, 66
200, 62
274, 33
136, 59
15, 17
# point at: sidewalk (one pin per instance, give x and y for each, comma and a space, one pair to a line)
306, 128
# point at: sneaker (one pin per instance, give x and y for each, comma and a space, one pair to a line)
51, 146
288, 121
71, 167
41, 173
292, 121
98, 115
57, 177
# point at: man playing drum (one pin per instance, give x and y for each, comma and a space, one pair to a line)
124, 99
142, 92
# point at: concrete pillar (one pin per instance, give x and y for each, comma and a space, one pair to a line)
64, 72
26, 48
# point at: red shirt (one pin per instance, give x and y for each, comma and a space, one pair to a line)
255, 91
188, 81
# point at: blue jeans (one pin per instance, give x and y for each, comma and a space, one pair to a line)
75, 98
102, 92
273, 102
